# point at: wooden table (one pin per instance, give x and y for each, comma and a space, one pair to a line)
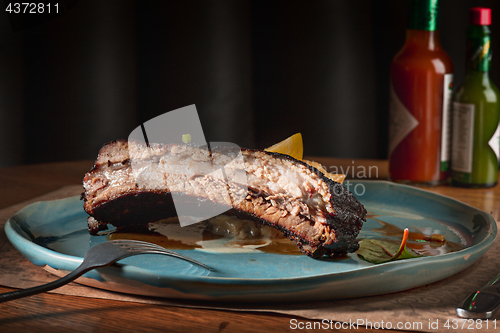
61, 313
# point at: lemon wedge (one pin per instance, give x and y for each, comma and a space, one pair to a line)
291, 146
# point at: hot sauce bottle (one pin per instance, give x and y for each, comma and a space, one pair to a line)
476, 111
419, 106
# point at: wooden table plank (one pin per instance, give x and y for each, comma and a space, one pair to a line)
21, 183
62, 313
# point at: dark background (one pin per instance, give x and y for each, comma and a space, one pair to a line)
258, 71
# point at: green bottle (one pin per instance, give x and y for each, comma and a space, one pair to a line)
476, 111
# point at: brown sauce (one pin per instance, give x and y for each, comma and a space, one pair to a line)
189, 238
421, 243
281, 246
152, 237
276, 243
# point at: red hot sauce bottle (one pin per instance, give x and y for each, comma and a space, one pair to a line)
420, 100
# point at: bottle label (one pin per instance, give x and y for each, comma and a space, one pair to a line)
446, 125
401, 121
495, 142
462, 139
479, 53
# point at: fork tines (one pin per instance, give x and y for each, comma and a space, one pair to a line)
151, 248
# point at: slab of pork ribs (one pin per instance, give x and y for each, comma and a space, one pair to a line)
131, 183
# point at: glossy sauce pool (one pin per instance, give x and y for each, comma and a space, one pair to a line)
427, 245
204, 237
232, 237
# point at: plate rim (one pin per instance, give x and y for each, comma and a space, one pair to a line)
482, 245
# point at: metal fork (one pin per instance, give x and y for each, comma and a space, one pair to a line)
101, 255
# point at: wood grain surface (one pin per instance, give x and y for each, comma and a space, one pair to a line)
62, 313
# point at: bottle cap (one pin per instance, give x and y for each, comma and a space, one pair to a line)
480, 16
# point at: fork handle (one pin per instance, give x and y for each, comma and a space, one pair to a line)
45, 287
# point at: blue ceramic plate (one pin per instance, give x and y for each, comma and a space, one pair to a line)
54, 233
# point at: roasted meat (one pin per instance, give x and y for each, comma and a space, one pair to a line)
131, 184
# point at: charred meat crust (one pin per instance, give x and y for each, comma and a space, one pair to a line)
137, 207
